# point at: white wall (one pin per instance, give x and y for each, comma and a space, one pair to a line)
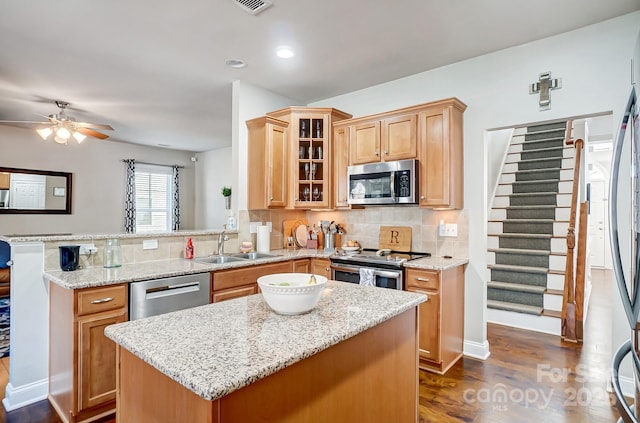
98, 180
593, 63
214, 169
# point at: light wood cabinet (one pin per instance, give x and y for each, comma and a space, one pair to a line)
441, 155
441, 316
82, 361
340, 164
301, 266
322, 267
310, 170
242, 281
380, 138
4, 180
267, 163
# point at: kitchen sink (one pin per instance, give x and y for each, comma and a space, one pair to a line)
253, 255
217, 259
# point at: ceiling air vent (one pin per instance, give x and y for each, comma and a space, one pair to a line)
253, 6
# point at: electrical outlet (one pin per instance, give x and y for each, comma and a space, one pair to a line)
149, 244
88, 248
451, 230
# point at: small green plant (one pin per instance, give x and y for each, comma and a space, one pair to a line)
226, 191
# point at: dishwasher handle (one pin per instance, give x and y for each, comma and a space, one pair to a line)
169, 290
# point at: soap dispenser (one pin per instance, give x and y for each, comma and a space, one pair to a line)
231, 222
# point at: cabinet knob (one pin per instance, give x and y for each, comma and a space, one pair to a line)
422, 197
270, 198
386, 152
377, 153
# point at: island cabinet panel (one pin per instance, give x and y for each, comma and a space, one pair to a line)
441, 316
267, 163
82, 374
371, 377
321, 267
234, 283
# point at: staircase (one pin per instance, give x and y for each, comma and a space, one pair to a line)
527, 230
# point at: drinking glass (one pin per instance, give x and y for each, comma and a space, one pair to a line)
313, 171
301, 152
305, 193
318, 152
316, 194
306, 170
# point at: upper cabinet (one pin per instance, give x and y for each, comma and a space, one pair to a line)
431, 133
384, 138
441, 155
267, 162
310, 150
340, 164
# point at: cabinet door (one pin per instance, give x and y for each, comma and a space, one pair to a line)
340, 164
301, 266
365, 143
312, 164
97, 359
231, 293
321, 267
429, 342
4, 180
276, 166
399, 137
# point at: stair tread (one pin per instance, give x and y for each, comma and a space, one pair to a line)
545, 169
518, 287
536, 150
516, 268
535, 181
520, 251
502, 305
538, 159
523, 235
532, 220
530, 194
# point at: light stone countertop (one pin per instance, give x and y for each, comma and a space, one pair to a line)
436, 263
218, 348
88, 237
99, 276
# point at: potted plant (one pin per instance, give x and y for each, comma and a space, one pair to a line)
226, 193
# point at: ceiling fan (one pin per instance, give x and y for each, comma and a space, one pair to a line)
63, 126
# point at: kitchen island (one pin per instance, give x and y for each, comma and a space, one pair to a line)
353, 358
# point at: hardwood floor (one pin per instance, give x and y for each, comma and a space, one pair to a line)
529, 377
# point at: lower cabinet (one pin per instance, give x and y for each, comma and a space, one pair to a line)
243, 281
301, 266
321, 266
82, 361
441, 316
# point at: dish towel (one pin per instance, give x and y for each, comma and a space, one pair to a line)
367, 277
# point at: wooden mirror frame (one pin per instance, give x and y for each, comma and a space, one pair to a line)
66, 175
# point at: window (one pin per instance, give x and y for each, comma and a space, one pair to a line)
154, 204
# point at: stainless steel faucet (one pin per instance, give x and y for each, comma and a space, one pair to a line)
222, 237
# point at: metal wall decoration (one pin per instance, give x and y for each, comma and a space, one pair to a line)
544, 86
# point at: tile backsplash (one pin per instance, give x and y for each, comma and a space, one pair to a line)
364, 224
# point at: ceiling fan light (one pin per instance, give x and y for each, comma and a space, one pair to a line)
79, 137
60, 140
63, 133
44, 132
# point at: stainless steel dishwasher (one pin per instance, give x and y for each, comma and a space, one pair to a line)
158, 296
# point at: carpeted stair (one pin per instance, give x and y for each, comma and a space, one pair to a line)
524, 220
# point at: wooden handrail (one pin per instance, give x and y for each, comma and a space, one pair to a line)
569, 312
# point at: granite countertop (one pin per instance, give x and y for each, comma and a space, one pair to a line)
218, 348
436, 263
87, 237
99, 276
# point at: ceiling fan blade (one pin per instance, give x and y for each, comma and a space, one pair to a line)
93, 125
24, 123
91, 133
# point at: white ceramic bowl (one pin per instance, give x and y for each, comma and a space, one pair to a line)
295, 298
350, 250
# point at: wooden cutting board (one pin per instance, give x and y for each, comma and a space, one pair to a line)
288, 226
397, 238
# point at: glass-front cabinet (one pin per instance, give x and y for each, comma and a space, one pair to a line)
310, 151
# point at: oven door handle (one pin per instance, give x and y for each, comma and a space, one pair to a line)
377, 272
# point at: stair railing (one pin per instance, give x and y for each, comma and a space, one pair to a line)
574, 275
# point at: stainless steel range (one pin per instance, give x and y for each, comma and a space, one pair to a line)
387, 270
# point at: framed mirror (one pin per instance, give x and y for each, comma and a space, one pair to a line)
29, 191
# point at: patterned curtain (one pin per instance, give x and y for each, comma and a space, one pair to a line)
130, 197
175, 222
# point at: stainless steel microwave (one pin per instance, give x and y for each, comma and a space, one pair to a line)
383, 183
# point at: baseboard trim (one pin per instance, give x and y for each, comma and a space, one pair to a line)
17, 397
544, 324
476, 349
627, 385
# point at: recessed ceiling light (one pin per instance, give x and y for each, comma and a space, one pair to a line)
285, 52
236, 63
